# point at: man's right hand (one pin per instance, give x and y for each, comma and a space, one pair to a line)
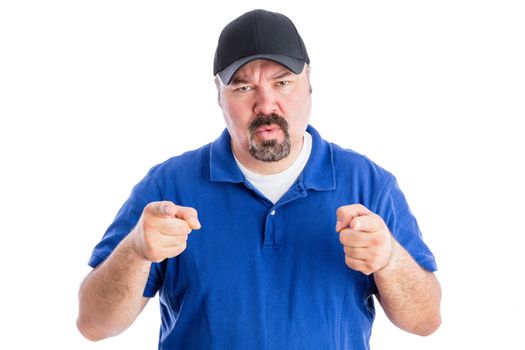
163, 230
112, 296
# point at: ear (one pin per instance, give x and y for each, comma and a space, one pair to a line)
308, 76
218, 86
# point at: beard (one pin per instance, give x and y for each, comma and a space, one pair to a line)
269, 150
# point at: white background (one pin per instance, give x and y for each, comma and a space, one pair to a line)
94, 93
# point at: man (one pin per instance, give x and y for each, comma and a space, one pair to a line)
295, 235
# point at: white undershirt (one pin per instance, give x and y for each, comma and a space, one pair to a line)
275, 185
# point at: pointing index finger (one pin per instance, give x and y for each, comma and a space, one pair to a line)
167, 209
189, 215
160, 209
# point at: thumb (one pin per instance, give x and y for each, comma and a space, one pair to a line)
347, 213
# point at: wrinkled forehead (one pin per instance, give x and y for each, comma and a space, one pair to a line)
266, 68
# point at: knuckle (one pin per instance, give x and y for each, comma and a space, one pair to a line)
374, 256
379, 220
361, 206
352, 264
357, 223
181, 240
149, 206
346, 235
378, 241
179, 249
341, 211
348, 261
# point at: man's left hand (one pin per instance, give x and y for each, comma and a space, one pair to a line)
367, 242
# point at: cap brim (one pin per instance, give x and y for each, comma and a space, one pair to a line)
293, 64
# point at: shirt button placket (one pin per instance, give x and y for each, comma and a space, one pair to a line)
271, 235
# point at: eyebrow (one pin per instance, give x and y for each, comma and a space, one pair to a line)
282, 75
239, 79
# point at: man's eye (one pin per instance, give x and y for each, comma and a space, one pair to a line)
283, 83
244, 88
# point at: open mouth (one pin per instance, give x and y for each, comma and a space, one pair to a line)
268, 131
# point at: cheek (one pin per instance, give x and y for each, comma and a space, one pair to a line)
235, 107
299, 117
237, 121
234, 116
300, 108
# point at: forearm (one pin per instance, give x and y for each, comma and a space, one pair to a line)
409, 295
111, 297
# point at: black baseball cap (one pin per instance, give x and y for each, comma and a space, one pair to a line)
259, 34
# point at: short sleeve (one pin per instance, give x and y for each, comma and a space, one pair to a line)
393, 208
146, 191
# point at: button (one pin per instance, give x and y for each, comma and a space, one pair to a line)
273, 212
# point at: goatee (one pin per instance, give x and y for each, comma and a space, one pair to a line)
269, 150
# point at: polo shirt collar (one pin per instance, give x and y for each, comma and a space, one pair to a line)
318, 174
223, 167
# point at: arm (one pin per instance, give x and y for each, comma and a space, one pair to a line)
409, 294
111, 297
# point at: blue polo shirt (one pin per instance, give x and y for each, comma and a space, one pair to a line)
259, 275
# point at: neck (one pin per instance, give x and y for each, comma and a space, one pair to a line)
269, 168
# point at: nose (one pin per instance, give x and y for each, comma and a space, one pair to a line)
265, 101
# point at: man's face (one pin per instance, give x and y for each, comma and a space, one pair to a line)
266, 108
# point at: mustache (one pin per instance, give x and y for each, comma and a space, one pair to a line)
268, 119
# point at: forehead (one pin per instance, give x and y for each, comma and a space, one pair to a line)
260, 67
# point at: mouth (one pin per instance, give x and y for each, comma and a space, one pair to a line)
267, 132
268, 128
